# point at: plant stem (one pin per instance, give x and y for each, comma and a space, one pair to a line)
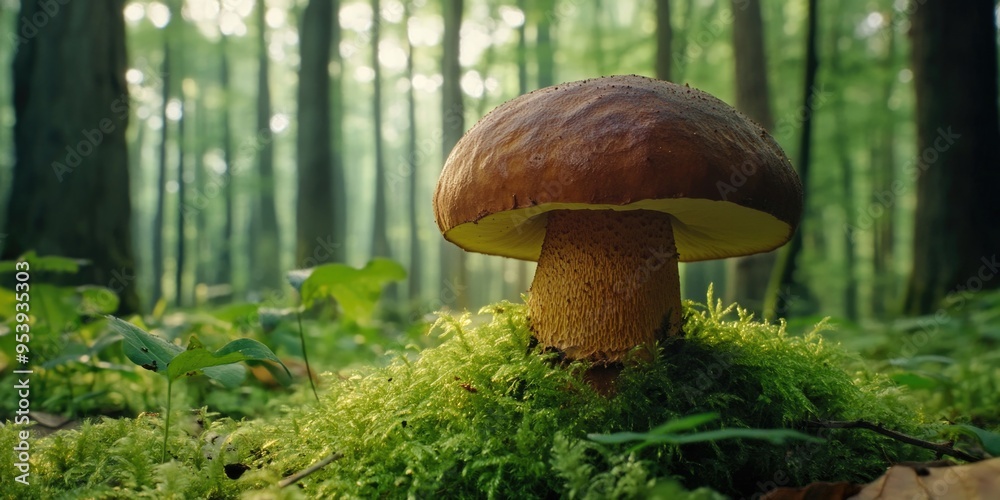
305, 357
166, 430
940, 448
290, 480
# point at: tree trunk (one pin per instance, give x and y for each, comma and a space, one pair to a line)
203, 240
415, 283
521, 271
314, 203
664, 40
543, 44
339, 189
380, 223
265, 257
70, 191
225, 274
161, 189
784, 287
749, 276
453, 273
885, 288
680, 50
956, 237
380, 240
180, 287
842, 145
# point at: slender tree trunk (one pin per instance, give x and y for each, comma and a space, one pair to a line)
453, 270
415, 282
314, 203
956, 237
664, 40
843, 146
265, 257
521, 268
680, 49
883, 174
784, 287
380, 240
161, 190
226, 244
544, 51
522, 51
339, 189
749, 276
180, 287
597, 38
203, 241
70, 190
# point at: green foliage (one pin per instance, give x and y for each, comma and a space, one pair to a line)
48, 263
355, 290
69, 341
950, 359
989, 441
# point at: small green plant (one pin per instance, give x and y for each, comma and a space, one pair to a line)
157, 355
356, 290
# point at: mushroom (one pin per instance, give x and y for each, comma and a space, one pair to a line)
607, 183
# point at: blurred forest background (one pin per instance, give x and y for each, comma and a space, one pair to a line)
195, 150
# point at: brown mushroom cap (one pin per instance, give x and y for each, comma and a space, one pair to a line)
618, 143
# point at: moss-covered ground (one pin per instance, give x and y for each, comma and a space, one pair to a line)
486, 414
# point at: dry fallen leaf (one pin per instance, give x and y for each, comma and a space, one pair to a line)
932, 481
815, 491
960, 482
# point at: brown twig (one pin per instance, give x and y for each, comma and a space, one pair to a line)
940, 448
294, 478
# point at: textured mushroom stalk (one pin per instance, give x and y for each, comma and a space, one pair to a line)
606, 283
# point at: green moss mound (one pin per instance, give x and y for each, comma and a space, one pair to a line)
488, 414
484, 413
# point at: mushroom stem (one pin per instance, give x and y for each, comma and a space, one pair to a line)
606, 283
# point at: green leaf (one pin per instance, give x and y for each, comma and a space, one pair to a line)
914, 380
49, 263
915, 361
689, 422
148, 351
230, 376
192, 361
199, 358
356, 290
236, 313
96, 300
158, 355
989, 440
